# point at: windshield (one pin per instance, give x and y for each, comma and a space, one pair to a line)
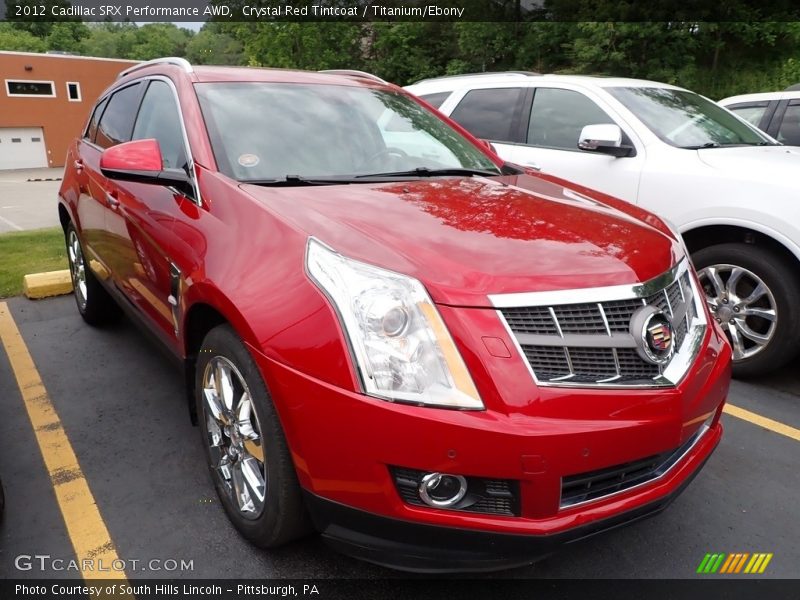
270, 131
686, 120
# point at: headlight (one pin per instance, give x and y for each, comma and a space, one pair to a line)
401, 346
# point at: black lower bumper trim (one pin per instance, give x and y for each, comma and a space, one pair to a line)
423, 548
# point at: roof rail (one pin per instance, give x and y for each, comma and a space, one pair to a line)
167, 60
355, 73
483, 73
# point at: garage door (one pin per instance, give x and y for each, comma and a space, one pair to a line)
22, 148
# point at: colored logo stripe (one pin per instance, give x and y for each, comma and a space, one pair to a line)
734, 563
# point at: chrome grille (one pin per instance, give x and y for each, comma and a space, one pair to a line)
583, 337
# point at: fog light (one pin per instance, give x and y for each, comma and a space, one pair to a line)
441, 490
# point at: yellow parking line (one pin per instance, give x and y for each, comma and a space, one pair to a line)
85, 526
764, 422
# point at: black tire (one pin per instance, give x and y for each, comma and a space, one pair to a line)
783, 282
283, 517
95, 304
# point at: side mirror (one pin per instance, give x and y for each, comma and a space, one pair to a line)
605, 138
140, 161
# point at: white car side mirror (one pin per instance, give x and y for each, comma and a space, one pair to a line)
605, 138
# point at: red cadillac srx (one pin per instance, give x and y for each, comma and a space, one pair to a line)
436, 360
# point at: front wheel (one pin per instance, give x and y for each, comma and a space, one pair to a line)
752, 293
246, 451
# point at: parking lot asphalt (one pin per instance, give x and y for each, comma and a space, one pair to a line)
121, 406
28, 199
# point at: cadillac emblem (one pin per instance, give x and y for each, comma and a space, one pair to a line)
652, 330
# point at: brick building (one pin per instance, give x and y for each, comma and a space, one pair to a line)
44, 101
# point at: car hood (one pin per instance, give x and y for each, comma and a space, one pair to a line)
765, 163
465, 238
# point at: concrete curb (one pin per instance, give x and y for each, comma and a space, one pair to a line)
44, 285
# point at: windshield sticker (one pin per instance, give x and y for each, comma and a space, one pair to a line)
249, 160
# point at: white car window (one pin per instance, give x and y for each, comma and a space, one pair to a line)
684, 119
752, 113
789, 133
558, 116
489, 114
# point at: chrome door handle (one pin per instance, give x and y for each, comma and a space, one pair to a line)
112, 202
78, 165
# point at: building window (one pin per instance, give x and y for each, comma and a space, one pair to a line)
74, 91
16, 140
39, 89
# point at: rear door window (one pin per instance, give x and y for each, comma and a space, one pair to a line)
489, 114
91, 129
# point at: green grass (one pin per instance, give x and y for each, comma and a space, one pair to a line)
24, 252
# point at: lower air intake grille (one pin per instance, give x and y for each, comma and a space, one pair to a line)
593, 485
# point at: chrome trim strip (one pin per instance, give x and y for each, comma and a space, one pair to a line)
553, 316
590, 295
603, 316
662, 470
583, 340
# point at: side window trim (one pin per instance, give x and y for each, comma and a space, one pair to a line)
776, 119
524, 118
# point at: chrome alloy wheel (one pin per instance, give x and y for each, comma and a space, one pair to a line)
743, 305
77, 268
234, 436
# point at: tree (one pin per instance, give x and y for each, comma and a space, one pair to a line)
404, 52
159, 39
300, 45
19, 40
66, 37
210, 47
111, 40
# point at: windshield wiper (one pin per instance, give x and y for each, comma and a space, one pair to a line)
701, 146
731, 145
426, 172
296, 180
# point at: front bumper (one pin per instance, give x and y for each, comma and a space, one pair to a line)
344, 443
420, 548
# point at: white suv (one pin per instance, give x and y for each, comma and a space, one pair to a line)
777, 113
730, 189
